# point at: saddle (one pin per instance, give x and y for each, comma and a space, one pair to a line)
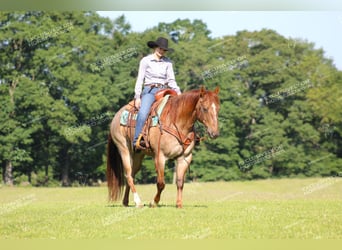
128, 117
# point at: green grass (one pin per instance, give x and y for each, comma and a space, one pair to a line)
267, 209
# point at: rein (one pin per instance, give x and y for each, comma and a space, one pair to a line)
184, 140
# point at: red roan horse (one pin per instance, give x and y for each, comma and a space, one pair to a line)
173, 139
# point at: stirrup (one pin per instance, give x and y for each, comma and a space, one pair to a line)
140, 144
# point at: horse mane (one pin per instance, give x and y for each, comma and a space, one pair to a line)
183, 103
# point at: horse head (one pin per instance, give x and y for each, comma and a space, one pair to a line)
207, 110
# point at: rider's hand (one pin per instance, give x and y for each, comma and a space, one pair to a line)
137, 103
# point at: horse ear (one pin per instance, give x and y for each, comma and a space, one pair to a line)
217, 90
202, 91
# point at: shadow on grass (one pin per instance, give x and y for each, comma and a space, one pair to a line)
159, 206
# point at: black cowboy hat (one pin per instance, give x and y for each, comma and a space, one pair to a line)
161, 42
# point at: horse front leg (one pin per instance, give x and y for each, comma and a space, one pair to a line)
182, 165
160, 168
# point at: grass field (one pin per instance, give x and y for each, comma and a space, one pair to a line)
267, 209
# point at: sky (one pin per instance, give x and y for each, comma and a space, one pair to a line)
323, 28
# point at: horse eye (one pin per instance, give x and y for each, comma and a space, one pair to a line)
205, 110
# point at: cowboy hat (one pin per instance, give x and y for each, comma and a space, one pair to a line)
161, 42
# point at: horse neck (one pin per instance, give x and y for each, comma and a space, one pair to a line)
182, 110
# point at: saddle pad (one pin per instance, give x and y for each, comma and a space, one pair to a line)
124, 117
125, 114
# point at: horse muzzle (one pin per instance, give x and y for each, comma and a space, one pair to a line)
213, 135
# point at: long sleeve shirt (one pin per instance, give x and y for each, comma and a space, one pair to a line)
152, 71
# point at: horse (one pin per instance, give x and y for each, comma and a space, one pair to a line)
174, 140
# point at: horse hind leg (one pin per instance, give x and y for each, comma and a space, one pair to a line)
129, 173
130, 183
137, 160
125, 200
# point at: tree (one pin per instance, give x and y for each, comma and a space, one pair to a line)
65, 74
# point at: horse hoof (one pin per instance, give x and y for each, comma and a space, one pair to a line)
153, 204
140, 205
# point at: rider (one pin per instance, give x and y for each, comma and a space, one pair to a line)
155, 73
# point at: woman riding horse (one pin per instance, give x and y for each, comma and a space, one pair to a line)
155, 73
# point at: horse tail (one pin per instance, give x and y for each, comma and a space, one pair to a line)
115, 171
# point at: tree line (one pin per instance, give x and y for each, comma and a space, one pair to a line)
63, 76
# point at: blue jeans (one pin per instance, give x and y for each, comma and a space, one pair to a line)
147, 99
